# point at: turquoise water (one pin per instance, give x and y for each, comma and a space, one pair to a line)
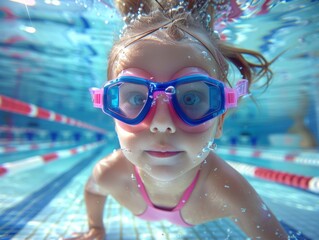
50, 205
53, 51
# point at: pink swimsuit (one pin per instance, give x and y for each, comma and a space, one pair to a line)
153, 213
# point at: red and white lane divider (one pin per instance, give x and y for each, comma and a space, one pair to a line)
303, 182
33, 146
12, 105
300, 157
21, 130
36, 161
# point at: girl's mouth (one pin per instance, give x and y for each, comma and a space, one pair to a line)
160, 154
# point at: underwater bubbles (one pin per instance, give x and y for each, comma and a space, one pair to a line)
126, 150
210, 146
170, 90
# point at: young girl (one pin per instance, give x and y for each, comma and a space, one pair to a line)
169, 95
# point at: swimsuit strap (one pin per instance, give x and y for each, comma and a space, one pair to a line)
142, 187
181, 202
187, 193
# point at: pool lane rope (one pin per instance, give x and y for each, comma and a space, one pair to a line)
33, 146
16, 106
293, 180
39, 160
310, 158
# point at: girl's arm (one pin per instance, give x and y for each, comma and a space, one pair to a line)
244, 205
94, 201
260, 225
252, 215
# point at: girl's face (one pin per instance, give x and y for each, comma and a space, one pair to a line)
163, 145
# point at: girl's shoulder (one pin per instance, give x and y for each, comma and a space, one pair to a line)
220, 173
109, 171
228, 184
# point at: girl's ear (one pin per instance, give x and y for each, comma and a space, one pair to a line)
219, 130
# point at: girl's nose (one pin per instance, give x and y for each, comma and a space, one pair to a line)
162, 120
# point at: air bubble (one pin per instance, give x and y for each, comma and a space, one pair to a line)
264, 207
125, 150
170, 90
226, 186
148, 167
166, 99
199, 155
206, 149
153, 103
243, 210
208, 18
205, 54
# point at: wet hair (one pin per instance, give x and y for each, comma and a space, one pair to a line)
177, 18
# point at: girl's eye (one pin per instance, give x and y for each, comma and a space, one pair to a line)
191, 98
136, 99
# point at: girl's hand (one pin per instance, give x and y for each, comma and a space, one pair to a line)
92, 234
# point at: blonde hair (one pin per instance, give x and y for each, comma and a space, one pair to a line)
144, 17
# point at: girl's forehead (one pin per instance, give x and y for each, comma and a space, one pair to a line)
164, 60
137, 72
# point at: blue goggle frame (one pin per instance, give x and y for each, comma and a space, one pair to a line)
227, 97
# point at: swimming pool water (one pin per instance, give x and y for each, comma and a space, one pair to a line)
51, 52
50, 205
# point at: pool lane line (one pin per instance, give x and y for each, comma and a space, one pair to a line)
310, 184
37, 201
17, 166
308, 158
10, 148
9, 104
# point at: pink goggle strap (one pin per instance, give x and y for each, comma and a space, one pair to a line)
97, 97
233, 94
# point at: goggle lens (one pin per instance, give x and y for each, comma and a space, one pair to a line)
197, 99
127, 99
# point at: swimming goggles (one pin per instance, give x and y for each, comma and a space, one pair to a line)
195, 98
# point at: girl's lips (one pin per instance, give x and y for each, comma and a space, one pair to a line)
163, 154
